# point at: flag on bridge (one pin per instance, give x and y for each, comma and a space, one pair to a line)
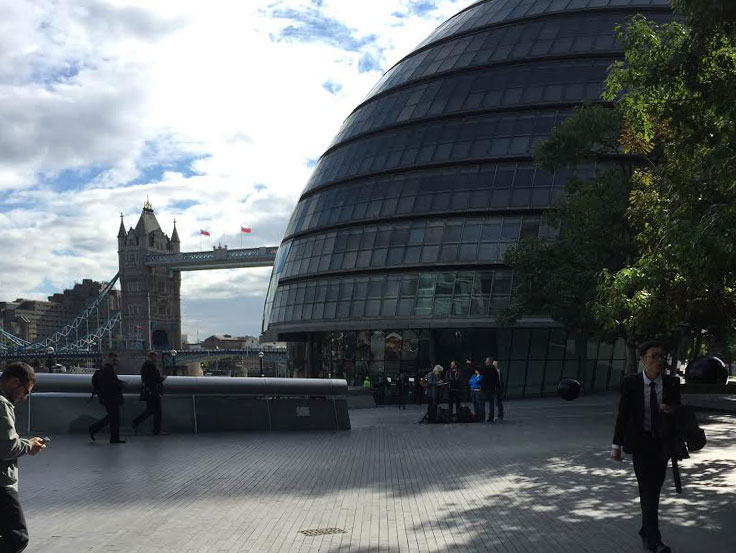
204, 232
246, 230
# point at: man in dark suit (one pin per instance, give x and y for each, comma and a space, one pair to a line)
645, 399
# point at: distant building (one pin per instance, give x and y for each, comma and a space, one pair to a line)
227, 341
35, 319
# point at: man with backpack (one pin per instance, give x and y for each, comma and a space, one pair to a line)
152, 388
109, 389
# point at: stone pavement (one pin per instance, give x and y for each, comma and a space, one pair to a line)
539, 482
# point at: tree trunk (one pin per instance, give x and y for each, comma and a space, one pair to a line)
632, 362
581, 353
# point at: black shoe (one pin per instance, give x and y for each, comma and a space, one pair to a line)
661, 548
91, 434
117, 441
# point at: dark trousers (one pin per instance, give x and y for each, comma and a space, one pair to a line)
112, 418
495, 396
153, 407
13, 529
402, 400
650, 470
431, 414
454, 399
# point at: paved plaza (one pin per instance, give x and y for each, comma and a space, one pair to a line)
540, 482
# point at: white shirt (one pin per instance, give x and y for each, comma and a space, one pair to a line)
659, 386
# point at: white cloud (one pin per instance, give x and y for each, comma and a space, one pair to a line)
198, 105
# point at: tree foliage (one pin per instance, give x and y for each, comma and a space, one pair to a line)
675, 91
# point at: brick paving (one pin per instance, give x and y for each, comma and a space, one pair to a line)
539, 482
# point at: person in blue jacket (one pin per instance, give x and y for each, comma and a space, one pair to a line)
476, 395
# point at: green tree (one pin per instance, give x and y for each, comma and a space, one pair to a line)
676, 92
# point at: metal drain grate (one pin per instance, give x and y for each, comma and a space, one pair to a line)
322, 531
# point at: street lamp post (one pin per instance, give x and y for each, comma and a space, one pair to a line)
173, 361
260, 359
50, 361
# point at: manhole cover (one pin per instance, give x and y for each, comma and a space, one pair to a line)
322, 531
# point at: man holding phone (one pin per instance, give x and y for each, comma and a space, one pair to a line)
16, 383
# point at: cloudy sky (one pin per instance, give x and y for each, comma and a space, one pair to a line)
215, 110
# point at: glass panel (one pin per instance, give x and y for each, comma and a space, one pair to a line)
514, 374
377, 346
534, 371
520, 343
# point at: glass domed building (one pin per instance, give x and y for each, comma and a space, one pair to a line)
393, 258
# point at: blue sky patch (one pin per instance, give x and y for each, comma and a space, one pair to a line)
182, 205
311, 162
422, 8
310, 25
46, 287
368, 63
155, 172
332, 87
72, 179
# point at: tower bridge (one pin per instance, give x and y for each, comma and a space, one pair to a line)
150, 266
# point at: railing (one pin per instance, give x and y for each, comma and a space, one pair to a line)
173, 385
94, 337
12, 338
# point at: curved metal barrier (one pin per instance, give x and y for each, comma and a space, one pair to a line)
62, 403
250, 386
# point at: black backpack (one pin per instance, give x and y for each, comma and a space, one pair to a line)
464, 414
96, 382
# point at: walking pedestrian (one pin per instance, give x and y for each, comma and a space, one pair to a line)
16, 383
646, 399
109, 390
152, 389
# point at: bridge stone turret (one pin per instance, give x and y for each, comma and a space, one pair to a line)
150, 302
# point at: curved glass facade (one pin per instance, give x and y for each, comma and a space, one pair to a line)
402, 229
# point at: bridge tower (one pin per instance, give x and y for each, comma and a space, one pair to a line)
150, 298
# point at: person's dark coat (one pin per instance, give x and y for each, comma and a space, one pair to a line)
454, 380
151, 380
109, 387
629, 432
491, 380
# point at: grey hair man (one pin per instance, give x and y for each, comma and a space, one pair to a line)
16, 383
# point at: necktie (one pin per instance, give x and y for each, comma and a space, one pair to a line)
653, 407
